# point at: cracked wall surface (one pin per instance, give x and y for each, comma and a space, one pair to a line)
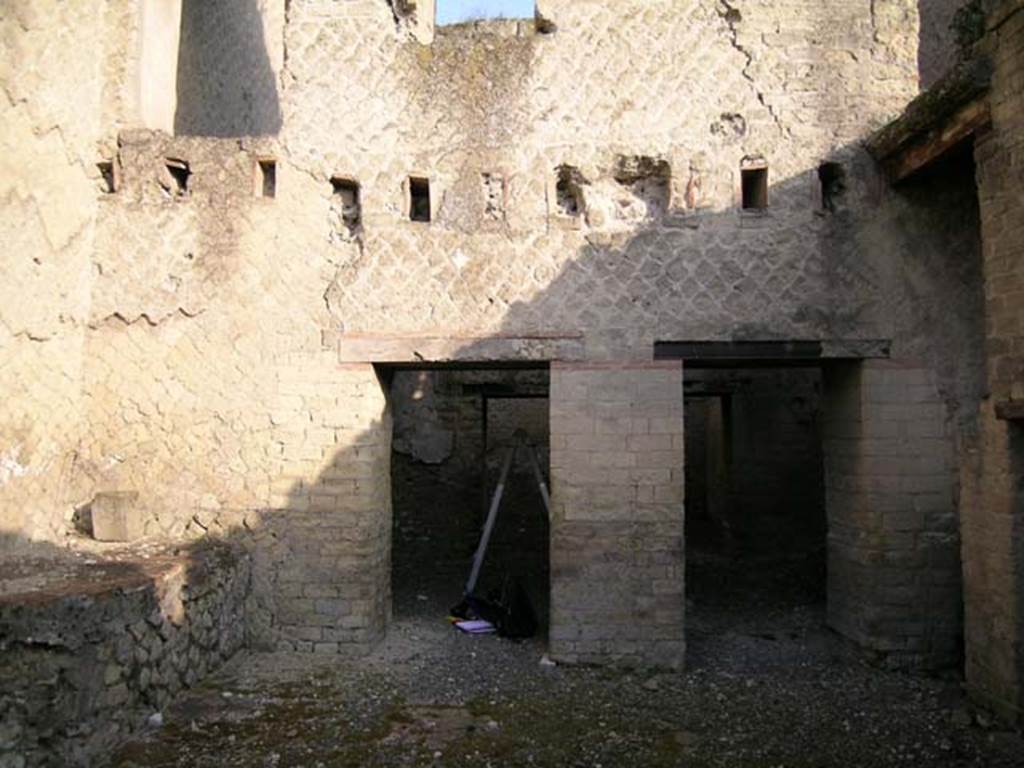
207, 293
195, 336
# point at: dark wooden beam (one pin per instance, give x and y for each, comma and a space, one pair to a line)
932, 145
1010, 410
768, 352
960, 86
950, 111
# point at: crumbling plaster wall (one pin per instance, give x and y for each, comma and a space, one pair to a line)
53, 131
210, 292
212, 383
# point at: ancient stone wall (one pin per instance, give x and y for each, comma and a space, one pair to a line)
184, 269
50, 185
230, 280
992, 471
90, 649
926, 233
656, 164
657, 248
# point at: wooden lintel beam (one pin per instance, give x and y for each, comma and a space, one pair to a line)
931, 145
962, 85
1010, 410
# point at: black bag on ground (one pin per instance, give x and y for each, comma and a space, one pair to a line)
519, 620
508, 609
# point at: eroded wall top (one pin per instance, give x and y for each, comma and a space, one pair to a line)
629, 171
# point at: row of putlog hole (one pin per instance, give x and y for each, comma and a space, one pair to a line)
650, 177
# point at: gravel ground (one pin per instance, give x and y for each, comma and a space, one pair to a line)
767, 686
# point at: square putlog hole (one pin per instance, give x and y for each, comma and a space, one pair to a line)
108, 181
266, 178
346, 208
180, 175
419, 199
569, 191
833, 185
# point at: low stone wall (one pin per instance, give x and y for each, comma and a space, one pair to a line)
92, 646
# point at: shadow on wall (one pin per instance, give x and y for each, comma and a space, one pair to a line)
939, 206
321, 555
1016, 452
321, 561
227, 84
947, 27
869, 263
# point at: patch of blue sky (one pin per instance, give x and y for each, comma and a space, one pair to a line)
455, 11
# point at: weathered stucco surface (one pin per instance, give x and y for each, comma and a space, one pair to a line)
245, 284
48, 136
183, 334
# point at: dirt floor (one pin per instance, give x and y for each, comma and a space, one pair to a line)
767, 686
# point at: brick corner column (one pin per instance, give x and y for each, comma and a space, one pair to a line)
324, 560
893, 543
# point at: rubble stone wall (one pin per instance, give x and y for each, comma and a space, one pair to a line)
85, 663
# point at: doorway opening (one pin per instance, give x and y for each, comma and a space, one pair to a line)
454, 430
756, 548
